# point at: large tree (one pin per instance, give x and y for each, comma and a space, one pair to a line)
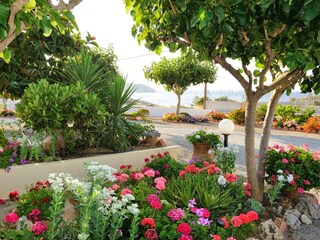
17, 16
177, 74
280, 37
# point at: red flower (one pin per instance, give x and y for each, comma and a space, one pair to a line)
253, 216
122, 166
38, 228
306, 182
244, 218
148, 221
11, 218
185, 237
2, 201
146, 160
151, 234
236, 221
44, 200
192, 168
226, 223
156, 205
216, 237
152, 197
14, 195
166, 166
159, 155
184, 228
182, 173
231, 178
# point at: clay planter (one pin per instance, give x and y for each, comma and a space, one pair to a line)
201, 150
152, 140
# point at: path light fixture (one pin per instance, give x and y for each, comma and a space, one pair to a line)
226, 127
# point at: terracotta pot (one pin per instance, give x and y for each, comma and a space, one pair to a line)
201, 150
152, 140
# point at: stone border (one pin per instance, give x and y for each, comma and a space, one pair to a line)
21, 176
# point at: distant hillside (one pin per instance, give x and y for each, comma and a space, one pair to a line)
143, 88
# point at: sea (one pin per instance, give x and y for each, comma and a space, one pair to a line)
169, 99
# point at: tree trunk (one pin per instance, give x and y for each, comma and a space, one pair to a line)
267, 124
250, 120
178, 104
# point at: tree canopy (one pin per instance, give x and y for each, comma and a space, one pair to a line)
177, 74
280, 37
17, 16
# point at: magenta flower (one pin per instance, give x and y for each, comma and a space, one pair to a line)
175, 214
284, 160
38, 228
300, 190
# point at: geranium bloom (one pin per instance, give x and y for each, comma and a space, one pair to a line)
115, 187
185, 237
236, 221
38, 228
192, 169
151, 234
122, 166
122, 177
149, 173
253, 216
14, 195
159, 155
160, 180
231, 178
139, 176
202, 212
204, 221
11, 218
156, 205
175, 214
148, 221
2, 201
226, 223
216, 237
34, 215
125, 191
244, 218
182, 173
300, 190
184, 228
152, 197
146, 160
284, 160
160, 186
231, 238
306, 182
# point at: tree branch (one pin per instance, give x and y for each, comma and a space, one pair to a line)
222, 61
279, 31
248, 73
63, 5
245, 38
219, 42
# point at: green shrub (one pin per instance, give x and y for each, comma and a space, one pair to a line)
261, 112
237, 116
70, 110
287, 112
199, 100
302, 117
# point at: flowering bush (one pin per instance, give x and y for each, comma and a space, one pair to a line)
216, 116
297, 167
201, 136
313, 124
171, 117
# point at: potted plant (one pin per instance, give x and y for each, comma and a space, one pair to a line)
151, 134
203, 142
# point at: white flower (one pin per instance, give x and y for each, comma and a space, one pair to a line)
290, 178
198, 137
133, 209
279, 171
222, 180
83, 236
281, 178
210, 151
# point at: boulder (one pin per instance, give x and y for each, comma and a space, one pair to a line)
269, 231
304, 219
292, 221
309, 207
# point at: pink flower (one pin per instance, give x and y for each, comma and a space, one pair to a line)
14, 195
160, 180
226, 223
236, 221
34, 215
202, 212
159, 155
185, 237
293, 183
293, 160
125, 191
160, 186
139, 176
216, 237
165, 166
151, 234
306, 182
175, 214
149, 173
306, 147
11, 218
156, 205
115, 187
290, 147
284, 160
244, 218
300, 190
38, 228
122, 177
122, 166
231, 238
152, 197
253, 216
182, 173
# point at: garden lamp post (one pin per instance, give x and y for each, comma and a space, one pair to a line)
226, 127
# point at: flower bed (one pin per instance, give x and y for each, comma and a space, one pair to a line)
19, 176
163, 200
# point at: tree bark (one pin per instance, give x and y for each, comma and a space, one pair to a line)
178, 104
252, 101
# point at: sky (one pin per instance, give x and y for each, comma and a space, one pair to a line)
108, 21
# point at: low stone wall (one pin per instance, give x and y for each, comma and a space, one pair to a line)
21, 176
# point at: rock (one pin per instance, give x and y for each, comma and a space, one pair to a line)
304, 219
308, 207
269, 231
60, 143
292, 221
294, 212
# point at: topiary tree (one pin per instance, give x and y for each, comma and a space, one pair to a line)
177, 74
17, 16
280, 37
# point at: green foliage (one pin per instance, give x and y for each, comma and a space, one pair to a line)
274, 192
287, 112
199, 100
3, 139
237, 116
222, 99
201, 136
261, 112
226, 158
50, 108
303, 116
297, 167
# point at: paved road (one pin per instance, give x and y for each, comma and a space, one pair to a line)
174, 134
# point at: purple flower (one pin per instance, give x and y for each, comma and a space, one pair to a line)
24, 161
204, 221
14, 155
11, 160
8, 169
192, 202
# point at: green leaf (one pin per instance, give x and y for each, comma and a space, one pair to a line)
29, 6
264, 4
7, 55
205, 18
219, 12
71, 18
309, 66
318, 37
256, 73
3, 33
241, 17
46, 26
4, 14
310, 10
182, 4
